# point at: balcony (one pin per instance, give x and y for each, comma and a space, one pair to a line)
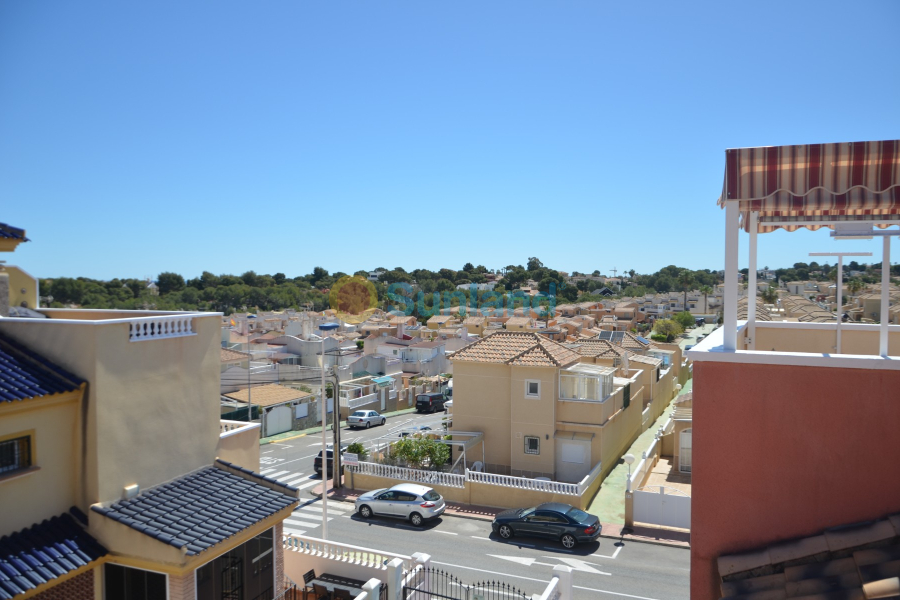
141, 325
239, 443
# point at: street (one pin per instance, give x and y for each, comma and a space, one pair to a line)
467, 548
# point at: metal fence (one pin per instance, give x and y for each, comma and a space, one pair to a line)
427, 583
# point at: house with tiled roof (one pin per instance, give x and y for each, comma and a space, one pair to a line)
542, 408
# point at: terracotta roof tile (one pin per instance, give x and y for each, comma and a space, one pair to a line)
227, 355
517, 348
268, 395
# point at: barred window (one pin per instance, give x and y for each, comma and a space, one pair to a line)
532, 444
15, 454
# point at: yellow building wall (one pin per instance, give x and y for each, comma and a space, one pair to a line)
481, 402
23, 288
50, 490
152, 406
532, 417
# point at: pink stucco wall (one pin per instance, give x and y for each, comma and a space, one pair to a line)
782, 452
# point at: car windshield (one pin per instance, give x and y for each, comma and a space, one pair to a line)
359, 413
432, 496
577, 515
525, 512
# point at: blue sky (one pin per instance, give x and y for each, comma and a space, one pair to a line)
276, 136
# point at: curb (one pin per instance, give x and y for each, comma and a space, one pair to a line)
314, 430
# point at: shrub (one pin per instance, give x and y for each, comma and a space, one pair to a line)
358, 449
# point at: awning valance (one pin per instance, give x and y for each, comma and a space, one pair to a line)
857, 181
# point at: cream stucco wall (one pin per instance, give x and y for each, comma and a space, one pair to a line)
23, 288
152, 406
481, 402
855, 339
50, 489
532, 417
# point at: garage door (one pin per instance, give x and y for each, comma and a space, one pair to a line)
572, 460
278, 420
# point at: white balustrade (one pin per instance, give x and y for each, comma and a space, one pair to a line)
361, 401
524, 483
407, 474
161, 327
228, 428
358, 555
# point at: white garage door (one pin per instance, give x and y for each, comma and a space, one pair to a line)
278, 420
572, 460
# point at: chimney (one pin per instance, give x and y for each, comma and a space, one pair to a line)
400, 328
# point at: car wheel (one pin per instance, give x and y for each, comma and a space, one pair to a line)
506, 532
365, 512
382, 421
368, 424
416, 519
568, 541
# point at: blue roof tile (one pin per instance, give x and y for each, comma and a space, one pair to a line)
24, 374
201, 509
43, 552
12, 233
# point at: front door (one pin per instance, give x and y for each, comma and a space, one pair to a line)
684, 452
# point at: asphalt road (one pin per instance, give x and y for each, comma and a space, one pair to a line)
467, 548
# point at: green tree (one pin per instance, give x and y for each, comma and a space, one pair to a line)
534, 264
685, 319
169, 282
685, 281
855, 285
706, 291
668, 328
358, 449
770, 294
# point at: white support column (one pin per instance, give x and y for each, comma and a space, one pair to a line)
729, 315
885, 304
838, 298
565, 586
751, 283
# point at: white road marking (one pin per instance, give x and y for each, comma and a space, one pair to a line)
313, 509
266, 471
294, 531
545, 581
616, 553
578, 565
274, 475
268, 451
306, 485
446, 532
292, 480
478, 537
308, 524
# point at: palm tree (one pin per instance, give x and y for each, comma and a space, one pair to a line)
854, 285
706, 291
685, 280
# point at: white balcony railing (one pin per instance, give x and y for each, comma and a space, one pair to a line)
344, 553
524, 483
357, 402
156, 328
229, 428
407, 474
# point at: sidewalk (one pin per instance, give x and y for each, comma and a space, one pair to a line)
289, 435
648, 535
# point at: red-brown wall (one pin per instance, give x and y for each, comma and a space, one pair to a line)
782, 452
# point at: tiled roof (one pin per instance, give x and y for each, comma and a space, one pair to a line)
24, 374
202, 509
227, 355
517, 348
850, 562
44, 552
12, 233
268, 395
601, 348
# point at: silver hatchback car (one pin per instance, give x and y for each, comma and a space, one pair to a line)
417, 503
365, 418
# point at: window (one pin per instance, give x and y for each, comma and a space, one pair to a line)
15, 454
125, 583
532, 389
532, 444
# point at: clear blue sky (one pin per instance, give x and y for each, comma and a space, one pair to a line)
140, 137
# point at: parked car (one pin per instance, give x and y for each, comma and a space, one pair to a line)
414, 430
411, 501
365, 418
317, 462
429, 403
552, 520
448, 405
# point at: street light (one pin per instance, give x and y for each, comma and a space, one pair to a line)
628, 458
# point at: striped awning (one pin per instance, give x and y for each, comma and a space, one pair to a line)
856, 181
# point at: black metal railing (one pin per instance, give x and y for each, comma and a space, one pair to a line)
441, 585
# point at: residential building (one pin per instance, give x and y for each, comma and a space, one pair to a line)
795, 421
543, 408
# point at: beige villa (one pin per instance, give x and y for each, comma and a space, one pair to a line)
548, 410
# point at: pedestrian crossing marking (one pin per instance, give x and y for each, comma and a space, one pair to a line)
306, 485
275, 475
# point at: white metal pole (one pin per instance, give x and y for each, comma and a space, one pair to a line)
731, 280
751, 296
885, 284
324, 448
838, 297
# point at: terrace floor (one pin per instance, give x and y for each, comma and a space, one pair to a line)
665, 473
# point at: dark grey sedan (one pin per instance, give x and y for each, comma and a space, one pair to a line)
551, 520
